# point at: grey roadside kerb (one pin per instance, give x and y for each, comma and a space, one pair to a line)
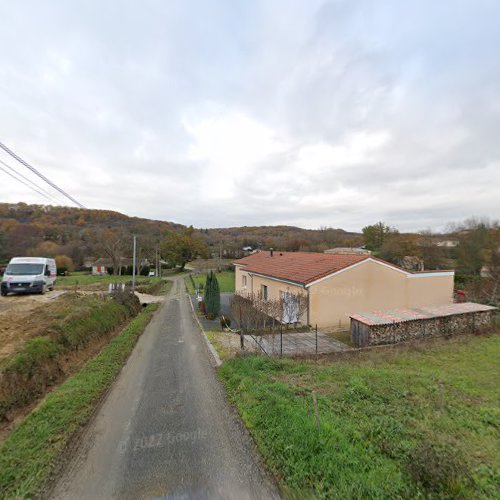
213, 352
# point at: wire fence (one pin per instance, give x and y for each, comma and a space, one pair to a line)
287, 342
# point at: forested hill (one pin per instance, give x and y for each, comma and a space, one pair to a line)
31, 229
80, 233
289, 238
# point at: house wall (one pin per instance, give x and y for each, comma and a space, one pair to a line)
372, 286
274, 288
430, 290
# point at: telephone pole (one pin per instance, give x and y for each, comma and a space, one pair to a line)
133, 267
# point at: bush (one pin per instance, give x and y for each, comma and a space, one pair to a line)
64, 263
145, 271
202, 307
438, 468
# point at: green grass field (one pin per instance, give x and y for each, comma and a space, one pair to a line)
83, 280
225, 279
421, 422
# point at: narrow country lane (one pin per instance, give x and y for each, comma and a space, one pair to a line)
165, 429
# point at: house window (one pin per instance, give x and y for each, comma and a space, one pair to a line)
244, 281
264, 292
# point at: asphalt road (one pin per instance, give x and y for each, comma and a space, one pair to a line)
165, 429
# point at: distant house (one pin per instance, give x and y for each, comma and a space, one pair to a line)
339, 285
349, 250
100, 267
103, 265
447, 243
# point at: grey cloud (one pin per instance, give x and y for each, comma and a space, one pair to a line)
97, 96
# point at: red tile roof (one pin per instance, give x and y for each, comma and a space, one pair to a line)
299, 267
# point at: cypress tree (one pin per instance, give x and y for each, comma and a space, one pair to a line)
216, 294
212, 295
208, 292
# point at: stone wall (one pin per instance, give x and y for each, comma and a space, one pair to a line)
444, 326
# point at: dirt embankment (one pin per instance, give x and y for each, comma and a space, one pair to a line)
25, 316
44, 341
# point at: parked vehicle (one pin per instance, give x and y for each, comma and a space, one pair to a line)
29, 275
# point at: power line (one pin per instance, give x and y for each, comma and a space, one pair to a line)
35, 186
35, 171
22, 182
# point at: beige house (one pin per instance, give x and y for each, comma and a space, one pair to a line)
339, 285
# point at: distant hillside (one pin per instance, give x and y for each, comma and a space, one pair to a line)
44, 229
288, 238
78, 233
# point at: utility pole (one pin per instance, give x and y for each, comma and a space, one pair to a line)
133, 267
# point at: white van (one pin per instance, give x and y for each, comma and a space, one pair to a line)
29, 274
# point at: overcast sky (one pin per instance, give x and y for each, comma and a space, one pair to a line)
230, 113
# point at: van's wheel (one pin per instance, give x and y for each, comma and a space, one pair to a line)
44, 289
4, 293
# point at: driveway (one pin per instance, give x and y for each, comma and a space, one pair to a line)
165, 429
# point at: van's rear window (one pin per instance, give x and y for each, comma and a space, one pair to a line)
24, 269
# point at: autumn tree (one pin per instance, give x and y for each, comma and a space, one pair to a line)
64, 263
114, 243
181, 247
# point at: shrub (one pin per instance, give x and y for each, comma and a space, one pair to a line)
210, 316
64, 263
202, 307
145, 271
438, 468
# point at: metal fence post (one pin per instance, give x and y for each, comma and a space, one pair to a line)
281, 340
242, 337
316, 338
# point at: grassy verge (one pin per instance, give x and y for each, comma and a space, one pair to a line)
221, 346
225, 279
402, 424
32, 450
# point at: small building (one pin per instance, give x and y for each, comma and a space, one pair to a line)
102, 266
447, 243
339, 285
393, 326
